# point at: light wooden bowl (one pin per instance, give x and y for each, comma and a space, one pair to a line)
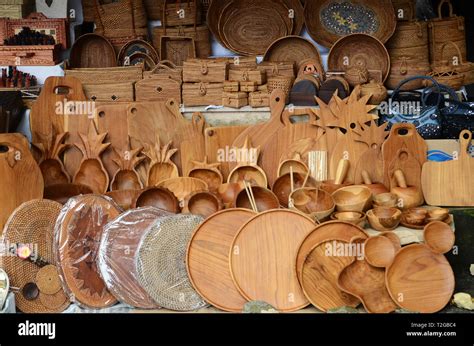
282, 186
437, 214
379, 251
384, 219
439, 237
317, 204
387, 200
410, 197
158, 197
203, 203
353, 217
264, 198
353, 198
414, 216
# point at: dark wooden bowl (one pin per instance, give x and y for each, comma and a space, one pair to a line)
264, 198
203, 203
282, 186
62, 192
158, 197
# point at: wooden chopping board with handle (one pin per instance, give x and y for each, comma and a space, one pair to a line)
403, 136
284, 137
260, 133
21, 179
221, 139
191, 137
451, 183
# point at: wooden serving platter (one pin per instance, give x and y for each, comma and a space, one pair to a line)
208, 259
262, 258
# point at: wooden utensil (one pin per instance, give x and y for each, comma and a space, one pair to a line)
208, 259
450, 183
408, 196
21, 177
319, 276
403, 136
354, 217
405, 162
91, 172
219, 140
296, 164
262, 258
124, 198
279, 142
126, 177
260, 133
182, 187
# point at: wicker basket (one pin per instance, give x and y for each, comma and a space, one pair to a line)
410, 39
446, 29
177, 49
231, 86
456, 63
181, 12
235, 99
158, 89
154, 8
116, 92
200, 35
202, 94
405, 10
280, 83
259, 99
449, 77
404, 68
109, 75
205, 70
165, 69
247, 75
273, 69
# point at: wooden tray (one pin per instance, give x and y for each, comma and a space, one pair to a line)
262, 258
78, 232
208, 259
92, 51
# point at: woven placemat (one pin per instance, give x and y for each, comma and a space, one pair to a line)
161, 263
32, 224
47, 280
116, 258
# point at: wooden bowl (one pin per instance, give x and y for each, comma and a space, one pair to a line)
330, 187
379, 251
228, 192
353, 217
409, 197
282, 186
387, 200
439, 237
318, 204
353, 198
264, 198
203, 203
414, 217
437, 214
298, 167
252, 174
377, 189
158, 197
124, 198
213, 178
384, 219
62, 192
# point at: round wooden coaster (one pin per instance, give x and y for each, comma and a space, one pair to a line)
116, 260
263, 255
208, 259
78, 232
48, 280
57, 301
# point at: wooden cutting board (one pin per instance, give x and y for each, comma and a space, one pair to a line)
220, 139
21, 178
284, 137
191, 136
263, 256
113, 119
260, 133
409, 165
208, 259
450, 183
403, 136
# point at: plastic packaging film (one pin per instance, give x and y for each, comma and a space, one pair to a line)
116, 258
78, 232
161, 265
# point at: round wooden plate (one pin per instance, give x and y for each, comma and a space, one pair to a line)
116, 260
208, 259
420, 280
262, 258
78, 232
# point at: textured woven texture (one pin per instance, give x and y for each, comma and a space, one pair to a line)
161, 263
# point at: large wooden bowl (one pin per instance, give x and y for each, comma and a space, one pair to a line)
282, 186
203, 203
264, 198
387, 200
353, 198
384, 219
315, 203
158, 197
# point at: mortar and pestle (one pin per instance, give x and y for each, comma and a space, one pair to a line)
330, 186
375, 188
408, 196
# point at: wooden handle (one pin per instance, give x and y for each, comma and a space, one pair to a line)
400, 129
440, 8
288, 113
277, 104
342, 169
456, 47
400, 178
366, 178
465, 139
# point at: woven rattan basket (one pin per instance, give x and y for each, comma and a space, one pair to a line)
161, 266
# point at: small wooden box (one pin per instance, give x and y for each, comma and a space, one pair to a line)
247, 75
231, 86
248, 86
235, 100
30, 55
259, 99
205, 71
202, 94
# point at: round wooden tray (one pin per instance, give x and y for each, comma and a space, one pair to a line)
292, 48
161, 263
329, 20
360, 49
262, 258
33, 223
208, 259
419, 280
116, 260
92, 51
449, 221
248, 27
78, 232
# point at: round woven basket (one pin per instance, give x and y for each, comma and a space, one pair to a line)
359, 49
78, 231
32, 224
160, 263
116, 258
280, 83
329, 20
92, 51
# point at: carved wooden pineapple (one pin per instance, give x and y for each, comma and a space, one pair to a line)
161, 167
208, 172
126, 177
91, 172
